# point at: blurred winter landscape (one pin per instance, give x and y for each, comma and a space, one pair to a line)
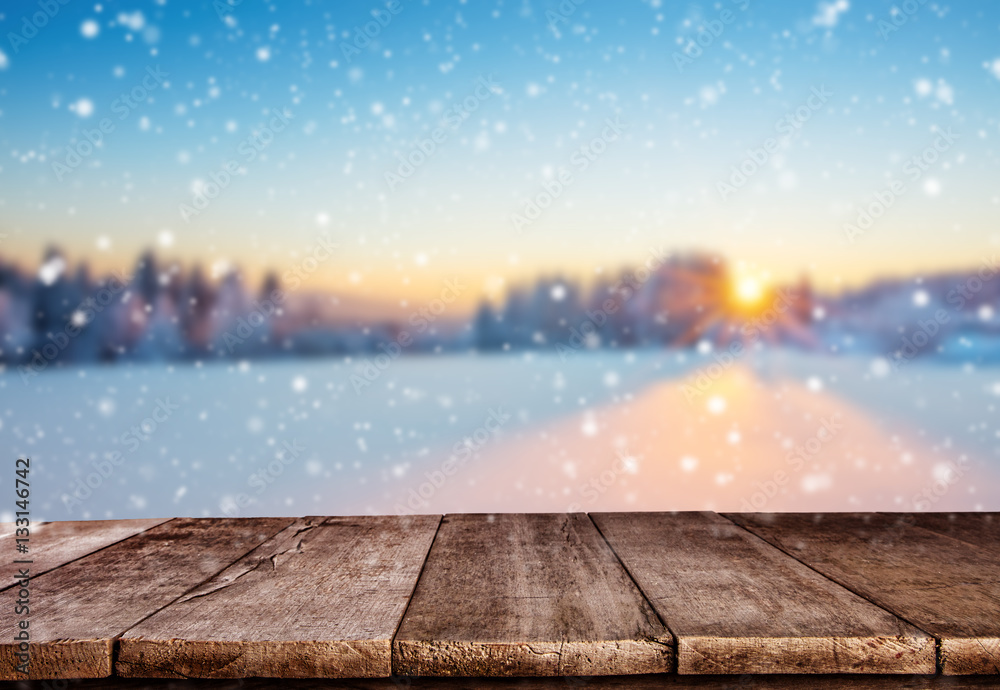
328, 258
672, 387
162, 312
607, 430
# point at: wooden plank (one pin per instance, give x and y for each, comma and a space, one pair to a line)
648, 682
54, 544
78, 609
945, 587
978, 529
320, 599
738, 605
527, 595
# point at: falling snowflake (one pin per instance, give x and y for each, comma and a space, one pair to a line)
84, 107
89, 28
689, 463
51, 270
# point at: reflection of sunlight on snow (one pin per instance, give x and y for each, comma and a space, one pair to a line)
740, 437
644, 442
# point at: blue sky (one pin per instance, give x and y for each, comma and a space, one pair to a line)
558, 82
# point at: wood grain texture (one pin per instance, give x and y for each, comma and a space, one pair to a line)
79, 608
527, 595
944, 586
978, 529
56, 543
738, 605
321, 599
648, 682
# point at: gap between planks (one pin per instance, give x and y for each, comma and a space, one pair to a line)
895, 564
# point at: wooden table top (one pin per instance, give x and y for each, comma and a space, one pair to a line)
668, 599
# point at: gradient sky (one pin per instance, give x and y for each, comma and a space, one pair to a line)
655, 186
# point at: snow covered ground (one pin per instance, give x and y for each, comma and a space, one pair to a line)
600, 431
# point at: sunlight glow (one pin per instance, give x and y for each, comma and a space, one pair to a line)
749, 290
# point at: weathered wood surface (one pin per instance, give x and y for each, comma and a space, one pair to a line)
978, 529
320, 599
79, 608
944, 586
54, 544
512, 595
738, 605
647, 682
527, 595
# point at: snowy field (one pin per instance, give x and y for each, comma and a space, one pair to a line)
526, 432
